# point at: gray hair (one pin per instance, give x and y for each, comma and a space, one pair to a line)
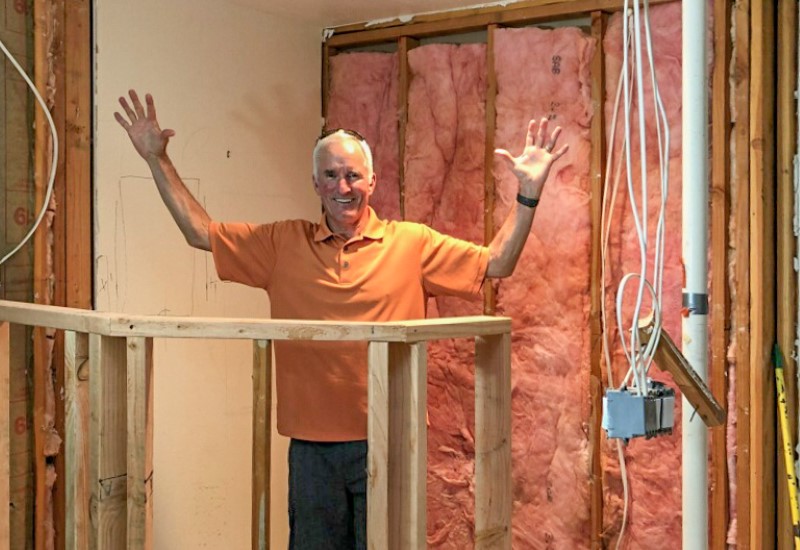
343, 133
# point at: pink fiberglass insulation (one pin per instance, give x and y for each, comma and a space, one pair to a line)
654, 466
363, 97
444, 182
546, 73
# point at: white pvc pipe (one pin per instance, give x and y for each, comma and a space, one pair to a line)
695, 257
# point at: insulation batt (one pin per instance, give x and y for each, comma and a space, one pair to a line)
363, 97
444, 183
654, 465
546, 73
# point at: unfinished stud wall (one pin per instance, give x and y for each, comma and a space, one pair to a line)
239, 87
16, 275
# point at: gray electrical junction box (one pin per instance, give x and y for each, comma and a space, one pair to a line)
627, 415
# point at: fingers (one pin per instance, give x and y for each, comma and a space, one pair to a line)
502, 153
558, 154
151, 107
529, 137
128, 111
136, 103
122, 121
553, 139
541, 132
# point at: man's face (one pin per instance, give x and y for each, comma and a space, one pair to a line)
344, 183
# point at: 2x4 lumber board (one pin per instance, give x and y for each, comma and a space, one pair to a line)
489, 299
262, 439
787, 287
404, 45
493, 442
78, 154
76, 440
41, 270
597, 286
378, 446
325, 88
408, 444
472, 20
669, 358
108, 442
59, 253
114, 324
720, 299
5, 427
762, 268
139, 371
740, 205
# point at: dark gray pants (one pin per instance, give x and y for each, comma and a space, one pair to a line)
327, 495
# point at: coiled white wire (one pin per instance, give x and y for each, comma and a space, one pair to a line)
639, 358
53, 165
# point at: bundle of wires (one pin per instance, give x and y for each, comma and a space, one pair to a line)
639, 357
54, 162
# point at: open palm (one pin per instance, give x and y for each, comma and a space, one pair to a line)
146, 135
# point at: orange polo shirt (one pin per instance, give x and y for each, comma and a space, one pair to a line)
384, 274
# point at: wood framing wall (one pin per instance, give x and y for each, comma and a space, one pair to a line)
742, 298
62, 248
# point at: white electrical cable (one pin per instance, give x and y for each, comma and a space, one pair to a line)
639, 358
53, 164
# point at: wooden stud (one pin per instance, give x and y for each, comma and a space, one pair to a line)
139, 473
408, 445
489, 298
5, 427
378, 441
597, 285
493, 442
404, 45
325, 89
76, 440
740, 206
262, 439
762, 283
787, 287
41, 271
108, 442
720, 299
78, 154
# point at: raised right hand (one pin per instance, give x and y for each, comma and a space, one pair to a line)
147, 137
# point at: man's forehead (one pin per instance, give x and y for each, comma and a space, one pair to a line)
342, 148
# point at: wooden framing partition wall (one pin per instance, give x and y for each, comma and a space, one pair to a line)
63, 243
742, 254
110, 472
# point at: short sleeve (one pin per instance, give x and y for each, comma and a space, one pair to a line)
244, 253
452, 266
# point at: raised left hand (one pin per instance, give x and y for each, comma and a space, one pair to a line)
533, 165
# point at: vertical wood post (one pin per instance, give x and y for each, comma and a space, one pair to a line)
5, 443
489, 299
493, 442
408, 445
762, 283
404, 45
378, 442
76, 441
740, 288
139, 463
597, 287
787, 287
397, 437
719, 293
108, 442
262, 432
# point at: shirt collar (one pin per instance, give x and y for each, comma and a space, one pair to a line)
374, 229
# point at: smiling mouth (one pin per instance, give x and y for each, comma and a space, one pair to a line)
344, 201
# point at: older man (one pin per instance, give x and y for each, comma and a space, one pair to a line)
350, 265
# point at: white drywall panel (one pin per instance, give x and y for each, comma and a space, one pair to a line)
241, 89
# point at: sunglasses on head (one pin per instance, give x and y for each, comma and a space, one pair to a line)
347, 131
